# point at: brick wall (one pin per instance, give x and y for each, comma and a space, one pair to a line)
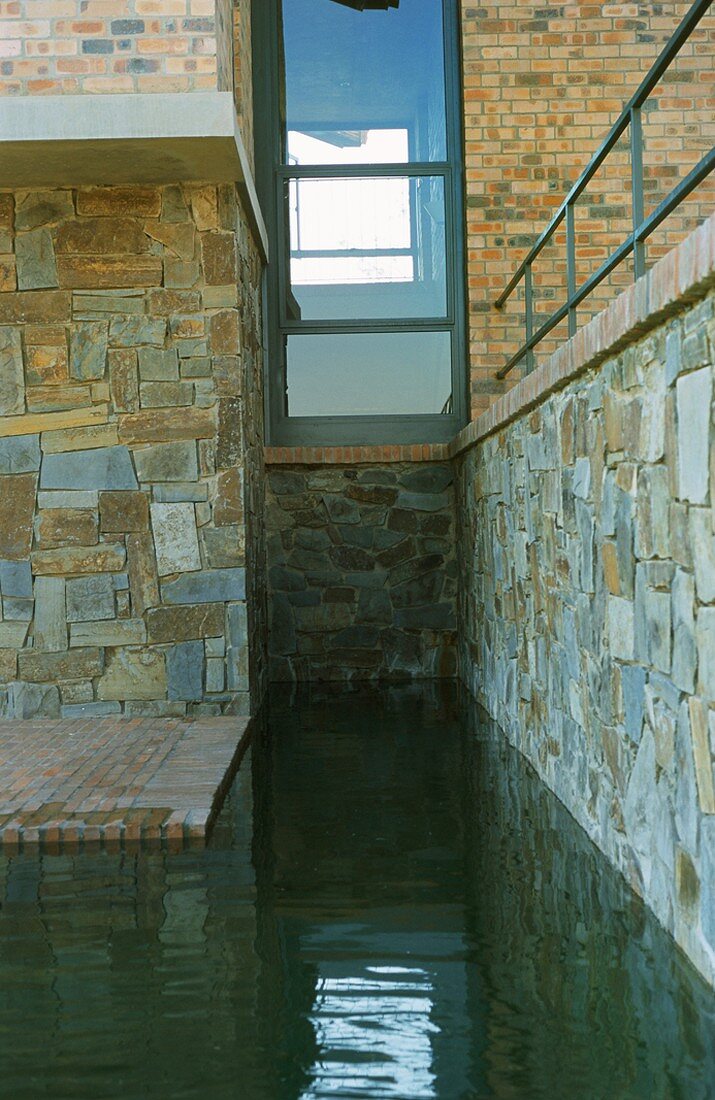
543, 84
53, 47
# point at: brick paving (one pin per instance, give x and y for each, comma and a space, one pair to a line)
114, 782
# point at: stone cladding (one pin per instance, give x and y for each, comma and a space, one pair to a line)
362, 572
543, 84
130, 453
587, 608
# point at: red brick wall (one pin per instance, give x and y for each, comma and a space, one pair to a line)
543, 84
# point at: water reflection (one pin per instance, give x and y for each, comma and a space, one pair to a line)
392, 906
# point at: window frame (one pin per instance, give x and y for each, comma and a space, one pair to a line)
273, 177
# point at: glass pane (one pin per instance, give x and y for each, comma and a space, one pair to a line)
364, 87
369, 374
366, 248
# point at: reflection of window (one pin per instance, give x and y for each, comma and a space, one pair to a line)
366, 297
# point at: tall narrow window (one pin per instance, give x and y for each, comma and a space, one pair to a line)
359, 168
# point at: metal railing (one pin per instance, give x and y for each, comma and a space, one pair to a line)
643, 226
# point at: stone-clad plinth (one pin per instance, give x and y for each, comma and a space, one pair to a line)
114, 782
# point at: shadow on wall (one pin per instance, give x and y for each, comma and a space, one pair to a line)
362, 572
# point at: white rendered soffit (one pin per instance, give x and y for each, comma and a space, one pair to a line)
81, 140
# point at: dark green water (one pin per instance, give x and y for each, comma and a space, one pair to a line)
391, 906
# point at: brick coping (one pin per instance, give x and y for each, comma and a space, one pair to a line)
680, 278
119, 783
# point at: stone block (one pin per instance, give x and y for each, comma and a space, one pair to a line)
215, 675
17, 507
83, 499
177, 624
423, 502
120, 632
105, 558
701, 754
13, 634
134, 202
65, 527
33, 701
705, 639
621, 628
143, 582
123, 512
159, 395
228, 498
207, 586
89, 342
90, 438
218, 258
91, 272
184, 491
90, 710
160, 425
8, 665
158, 364
229, 437
176, 237
36, 208
20, 454
16, 579
101, 236
133, 674
90, 598
46, 366
683, 619
224, 547
702, 545
694, 399
12, 380
129, 332
16, 609
175, 538
103, 468
123, 380
8, 273
57, 398
35, 259
50, 628
35, 307
224, 332
77, 664
185, 670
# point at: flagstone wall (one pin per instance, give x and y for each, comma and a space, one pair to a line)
587, 595
131, 453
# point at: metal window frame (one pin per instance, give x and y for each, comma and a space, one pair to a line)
271, 176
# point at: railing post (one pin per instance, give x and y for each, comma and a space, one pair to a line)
637, 190
529, 316
571, 265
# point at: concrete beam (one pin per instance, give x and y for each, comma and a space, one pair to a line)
81, 140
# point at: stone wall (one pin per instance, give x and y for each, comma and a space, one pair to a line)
362, 573
51, 48
587, 608
130, 452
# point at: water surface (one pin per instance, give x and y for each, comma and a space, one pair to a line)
391, 906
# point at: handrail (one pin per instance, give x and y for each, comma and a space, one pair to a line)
643, 226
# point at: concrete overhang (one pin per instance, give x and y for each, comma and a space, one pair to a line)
85, 140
